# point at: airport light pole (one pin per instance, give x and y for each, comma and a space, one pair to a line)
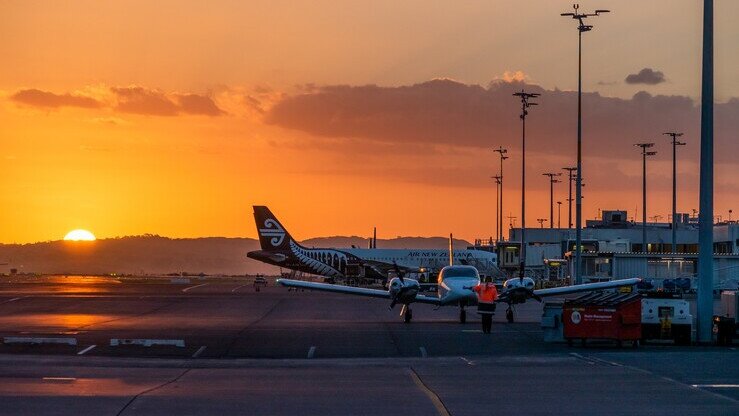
581, 27
644, 153
498, 213
559, 214
675, 144
571, 176
503, 157
705, 220
552, 181
525, 104
541, 222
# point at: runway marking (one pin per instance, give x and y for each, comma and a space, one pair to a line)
193, 287
472, 330
63, 379
435, 399
11, 300
424, 354
311, 351
237, 288
716, 386
114, 342
198, 352
39, 340
469, 362
595, 360
86, 349
694, 387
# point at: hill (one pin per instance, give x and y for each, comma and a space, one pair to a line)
151, 254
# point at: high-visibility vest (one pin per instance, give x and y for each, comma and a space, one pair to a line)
486, 292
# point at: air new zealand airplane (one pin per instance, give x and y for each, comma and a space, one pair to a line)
280, 249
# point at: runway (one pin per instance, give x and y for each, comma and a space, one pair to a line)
283, 352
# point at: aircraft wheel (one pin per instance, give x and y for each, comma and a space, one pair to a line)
509, 315
462, 316
408, 315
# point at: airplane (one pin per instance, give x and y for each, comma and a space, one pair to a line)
280, 249
454, 282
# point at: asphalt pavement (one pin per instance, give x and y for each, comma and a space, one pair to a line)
220, 347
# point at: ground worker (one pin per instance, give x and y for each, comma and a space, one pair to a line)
487, 293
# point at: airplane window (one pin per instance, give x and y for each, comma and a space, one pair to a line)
462, 272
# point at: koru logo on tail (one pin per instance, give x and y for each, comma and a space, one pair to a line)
273, 229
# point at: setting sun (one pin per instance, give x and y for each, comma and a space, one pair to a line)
79, 235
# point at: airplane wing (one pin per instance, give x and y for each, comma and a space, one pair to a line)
587, 287
350, 290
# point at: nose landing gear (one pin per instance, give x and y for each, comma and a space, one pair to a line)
462, 315
407, 314
509, 314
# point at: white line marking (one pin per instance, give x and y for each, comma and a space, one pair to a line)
39, 340
716, 386
86, 349
237, 288
114, 342
424, 354
10, 300
198, 352
469, 362
59, 378
472, 330
311, 351
192, 287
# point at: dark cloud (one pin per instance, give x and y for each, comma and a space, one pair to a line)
139, 100
134, 100
37, 98
646, 76
445, 112
198, 104
421, 119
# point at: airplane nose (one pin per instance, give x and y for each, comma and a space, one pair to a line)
458, 293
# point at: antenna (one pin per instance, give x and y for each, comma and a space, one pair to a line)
451, 250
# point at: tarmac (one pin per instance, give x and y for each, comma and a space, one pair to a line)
220, 347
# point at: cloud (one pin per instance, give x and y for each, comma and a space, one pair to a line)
131, 100
646, 76
514, 76
139, 100
44, 99
446, 112
198, 104
154, 102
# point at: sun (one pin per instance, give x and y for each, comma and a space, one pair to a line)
79, 235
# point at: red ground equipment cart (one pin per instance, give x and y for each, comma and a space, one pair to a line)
611, 316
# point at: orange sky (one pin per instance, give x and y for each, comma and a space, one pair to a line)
174, 118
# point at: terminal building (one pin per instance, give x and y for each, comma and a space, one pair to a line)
613, 248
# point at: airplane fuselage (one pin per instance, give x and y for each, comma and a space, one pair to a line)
339, 263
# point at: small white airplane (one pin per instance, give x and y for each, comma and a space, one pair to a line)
453, 286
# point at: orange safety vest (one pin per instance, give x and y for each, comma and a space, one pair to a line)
486, 292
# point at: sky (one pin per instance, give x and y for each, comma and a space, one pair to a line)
175, 117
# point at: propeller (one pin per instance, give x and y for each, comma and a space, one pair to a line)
401, 274
517, 292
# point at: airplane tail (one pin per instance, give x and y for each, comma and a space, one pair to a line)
272, 235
